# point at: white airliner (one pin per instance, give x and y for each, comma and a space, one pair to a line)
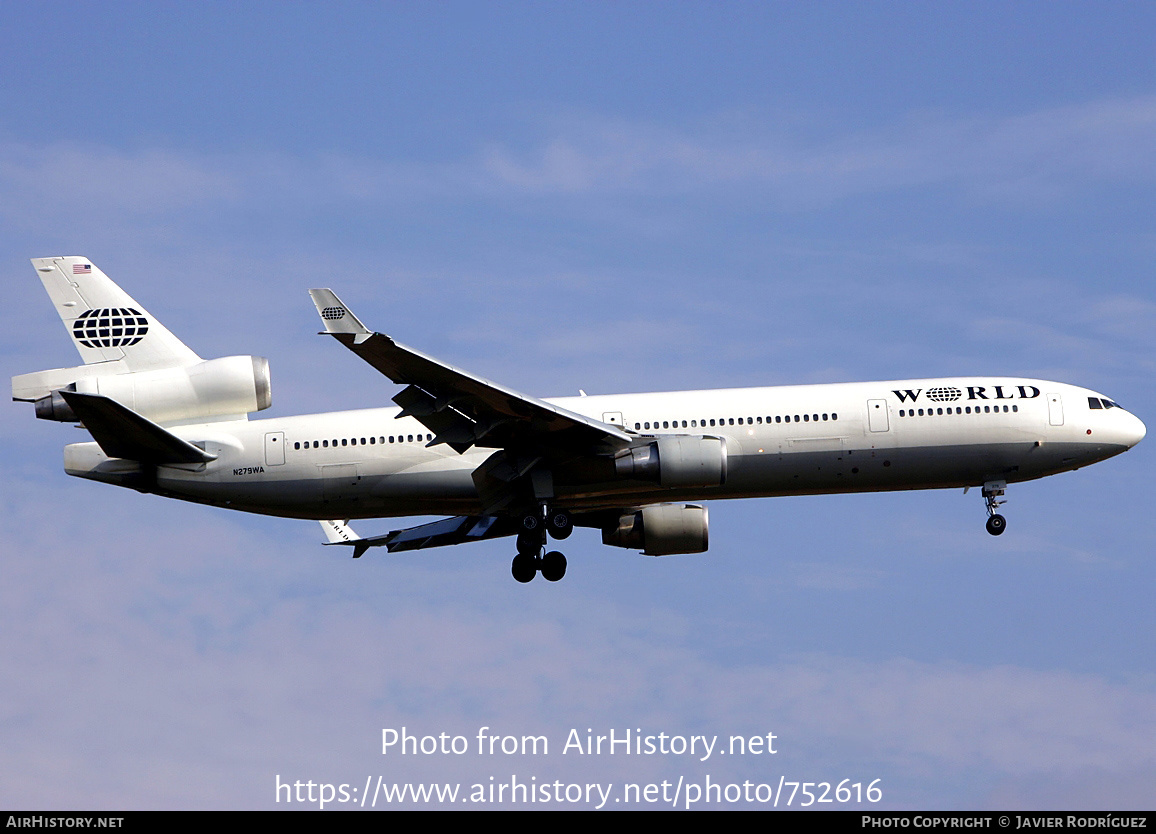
501, 463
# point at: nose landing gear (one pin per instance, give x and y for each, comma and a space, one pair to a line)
992, 492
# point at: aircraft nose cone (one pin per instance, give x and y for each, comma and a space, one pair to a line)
1134, 431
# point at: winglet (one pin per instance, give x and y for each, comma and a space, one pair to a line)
337, 317
339, 532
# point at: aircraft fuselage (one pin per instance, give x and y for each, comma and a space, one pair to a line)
788, 440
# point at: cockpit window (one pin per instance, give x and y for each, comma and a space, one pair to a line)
1094, 402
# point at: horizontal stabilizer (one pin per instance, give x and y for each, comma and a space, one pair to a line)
122, 433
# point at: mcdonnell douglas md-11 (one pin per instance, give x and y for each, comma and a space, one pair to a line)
497, 462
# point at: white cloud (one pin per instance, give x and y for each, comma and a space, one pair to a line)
1028, 156
183, 657
1038, 154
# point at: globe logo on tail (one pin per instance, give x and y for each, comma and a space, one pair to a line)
110, 327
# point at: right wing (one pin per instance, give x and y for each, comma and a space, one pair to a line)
463, 410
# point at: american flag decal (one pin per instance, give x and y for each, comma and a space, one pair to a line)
81, 269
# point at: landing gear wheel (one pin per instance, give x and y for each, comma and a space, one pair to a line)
559, 524
553, 566
996, 524
524, 568
529, 543
531, 522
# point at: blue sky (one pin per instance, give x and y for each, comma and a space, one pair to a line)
613, 197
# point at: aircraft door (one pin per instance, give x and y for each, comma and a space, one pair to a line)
1055, 410
614, 418
340, 482
877, 415
274, 448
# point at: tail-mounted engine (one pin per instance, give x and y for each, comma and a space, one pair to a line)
661, 530
228, 387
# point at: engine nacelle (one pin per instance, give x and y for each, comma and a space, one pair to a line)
661, 530
676, 461
230, 386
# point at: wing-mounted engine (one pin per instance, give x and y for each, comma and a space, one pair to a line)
228, 387
661, 529
676, 461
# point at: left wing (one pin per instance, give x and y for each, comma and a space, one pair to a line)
463, 410
446, 531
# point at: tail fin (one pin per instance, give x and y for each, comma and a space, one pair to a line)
133, 359
105, 323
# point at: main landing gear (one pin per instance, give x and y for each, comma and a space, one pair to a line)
992, 492
532, 542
